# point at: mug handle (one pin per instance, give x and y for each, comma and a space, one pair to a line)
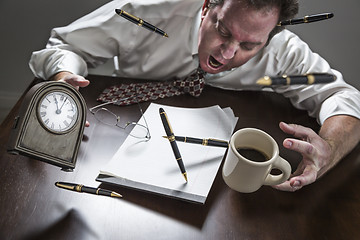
284, 167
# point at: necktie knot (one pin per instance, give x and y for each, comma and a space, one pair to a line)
193, 84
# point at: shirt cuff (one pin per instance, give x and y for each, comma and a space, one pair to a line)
342, 103
45, 63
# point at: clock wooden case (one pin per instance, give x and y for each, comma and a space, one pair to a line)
50, 124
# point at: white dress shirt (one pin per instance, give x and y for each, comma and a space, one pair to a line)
102, 34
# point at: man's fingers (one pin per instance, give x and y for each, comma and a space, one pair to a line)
295, 183
82, 82
303, 147
76, 81
296, 130
285, 186
291, 185
308, 146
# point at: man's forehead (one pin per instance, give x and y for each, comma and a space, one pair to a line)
241, 19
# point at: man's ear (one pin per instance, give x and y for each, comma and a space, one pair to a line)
205, 5
205, 9
204, 12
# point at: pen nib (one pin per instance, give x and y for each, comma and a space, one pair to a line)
115, 194
185, 176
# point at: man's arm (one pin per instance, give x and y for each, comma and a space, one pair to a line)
321, 152
85, 42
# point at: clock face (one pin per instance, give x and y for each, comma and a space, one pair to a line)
57, 111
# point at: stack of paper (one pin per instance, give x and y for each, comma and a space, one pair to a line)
151, 166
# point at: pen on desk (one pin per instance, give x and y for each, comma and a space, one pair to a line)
171, 138
82, 188
306, 19
311, 78
140, 22
204, 141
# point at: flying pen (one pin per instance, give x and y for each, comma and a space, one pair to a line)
171, 138
140, 22
308, 79
306, 19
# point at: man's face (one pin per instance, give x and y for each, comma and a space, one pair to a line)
231, 34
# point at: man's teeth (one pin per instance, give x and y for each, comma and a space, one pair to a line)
214, 63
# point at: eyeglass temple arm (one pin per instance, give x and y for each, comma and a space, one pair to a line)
106, 103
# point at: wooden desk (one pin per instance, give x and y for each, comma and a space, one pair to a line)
31, 207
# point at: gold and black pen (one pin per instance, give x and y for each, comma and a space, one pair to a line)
140, 22
82, 188
307, 79
306, 19
205, 141
171, 138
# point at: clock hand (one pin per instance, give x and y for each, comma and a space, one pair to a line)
63, 104
57, 107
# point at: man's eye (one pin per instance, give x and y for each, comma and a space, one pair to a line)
221, 30
223, 33
246, 47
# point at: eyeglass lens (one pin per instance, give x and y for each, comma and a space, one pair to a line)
105, 116
109, 118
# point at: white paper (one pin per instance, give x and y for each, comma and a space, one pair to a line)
151, 165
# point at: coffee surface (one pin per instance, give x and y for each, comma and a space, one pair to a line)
253, 154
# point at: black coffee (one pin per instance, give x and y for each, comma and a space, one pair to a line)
253, 154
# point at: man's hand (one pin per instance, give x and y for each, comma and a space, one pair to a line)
74, 80
337, 137
316, 153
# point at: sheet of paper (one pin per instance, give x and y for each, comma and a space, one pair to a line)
151, 166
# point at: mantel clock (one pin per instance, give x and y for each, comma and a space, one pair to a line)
50, 124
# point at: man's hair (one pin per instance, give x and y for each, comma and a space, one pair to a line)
288, 9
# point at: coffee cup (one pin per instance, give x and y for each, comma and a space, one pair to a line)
251, 156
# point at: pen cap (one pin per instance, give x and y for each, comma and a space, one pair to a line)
165, 122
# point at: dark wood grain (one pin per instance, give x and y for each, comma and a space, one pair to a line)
32, 207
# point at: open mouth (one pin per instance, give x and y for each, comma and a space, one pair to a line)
214, 63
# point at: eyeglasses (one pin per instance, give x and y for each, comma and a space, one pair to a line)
107, 117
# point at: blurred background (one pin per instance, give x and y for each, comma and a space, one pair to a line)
25, 27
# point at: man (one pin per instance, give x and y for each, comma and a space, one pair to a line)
231, 41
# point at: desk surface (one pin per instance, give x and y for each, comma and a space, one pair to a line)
32, 207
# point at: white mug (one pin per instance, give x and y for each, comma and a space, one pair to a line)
246, 175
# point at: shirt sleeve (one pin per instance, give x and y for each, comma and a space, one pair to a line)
320, 100
84, 43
